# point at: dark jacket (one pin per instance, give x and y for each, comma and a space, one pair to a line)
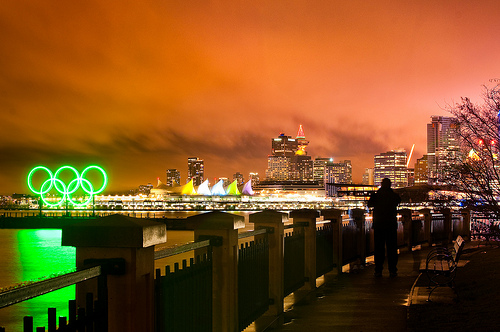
384, 203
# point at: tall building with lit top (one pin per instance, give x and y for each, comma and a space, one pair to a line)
196, 171
173, 177
392, 165
289, 160
442, 147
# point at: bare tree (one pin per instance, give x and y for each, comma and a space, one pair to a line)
477, 169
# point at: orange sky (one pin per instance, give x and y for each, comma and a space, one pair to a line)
139, 87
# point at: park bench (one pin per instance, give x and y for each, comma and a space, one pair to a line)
441, 264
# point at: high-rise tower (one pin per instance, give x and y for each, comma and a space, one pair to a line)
392, 165
196, 171
442, 147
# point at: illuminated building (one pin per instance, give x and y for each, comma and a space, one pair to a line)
278, 168
173, 177
196, 171
442, 147
239, 178
338, 172
350, 195
289, 159
284, 146
391, 165
368, 177
254, 177
421, 171
319, 169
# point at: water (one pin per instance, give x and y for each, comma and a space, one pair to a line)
29, 255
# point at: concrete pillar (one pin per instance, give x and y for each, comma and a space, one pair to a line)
359, 218
335, 217
131, 294
309, 217
274, 222
225, 265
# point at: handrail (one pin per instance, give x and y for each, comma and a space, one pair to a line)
38, 288
252, 233
181, 249
297, 224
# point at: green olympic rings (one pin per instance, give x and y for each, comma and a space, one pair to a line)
79, 181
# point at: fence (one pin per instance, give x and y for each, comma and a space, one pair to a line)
226, 285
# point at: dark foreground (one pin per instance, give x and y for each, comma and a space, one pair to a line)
357, 301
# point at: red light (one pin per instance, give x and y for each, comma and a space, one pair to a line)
481, 142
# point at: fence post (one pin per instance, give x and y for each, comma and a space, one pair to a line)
407, 228
358, 216
131, 294
274, 222
447, 226
225, 265
309, 217
427, 225
466, 220
335, 217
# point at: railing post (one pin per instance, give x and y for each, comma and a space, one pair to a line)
225, 265
358, 216
427, 225
335, 217
407, 226
466, 217
130, 295
447, 226
274, 222
309, 217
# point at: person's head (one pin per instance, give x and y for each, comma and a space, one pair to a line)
386, 183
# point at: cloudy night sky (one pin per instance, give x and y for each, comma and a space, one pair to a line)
140, 86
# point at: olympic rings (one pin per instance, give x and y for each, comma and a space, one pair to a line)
79, 181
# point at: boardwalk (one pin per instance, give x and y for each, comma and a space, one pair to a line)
357, 301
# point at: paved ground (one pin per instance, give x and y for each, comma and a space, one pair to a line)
357, 301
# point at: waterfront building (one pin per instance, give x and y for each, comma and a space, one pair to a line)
289, 159
338, 172
284, 146
196, 171
173, 177
278, 168
350, 195
238, 177
368, 177
442, 148
254, 178
319, 169
421, 171
392, 165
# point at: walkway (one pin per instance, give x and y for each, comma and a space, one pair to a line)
357, 301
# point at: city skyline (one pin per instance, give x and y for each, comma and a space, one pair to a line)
139, 88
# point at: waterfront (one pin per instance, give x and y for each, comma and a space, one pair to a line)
30, 254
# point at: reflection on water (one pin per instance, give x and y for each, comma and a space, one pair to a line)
29, 255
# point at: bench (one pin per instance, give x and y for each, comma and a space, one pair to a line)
441, 265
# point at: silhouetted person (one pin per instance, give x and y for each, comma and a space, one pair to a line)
384, 203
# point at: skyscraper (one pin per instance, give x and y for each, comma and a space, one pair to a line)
421, 171
196, 171
392, 165
368, 177
238, 177
173, 177
319, 169
338, 172
284, 146
442, 147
